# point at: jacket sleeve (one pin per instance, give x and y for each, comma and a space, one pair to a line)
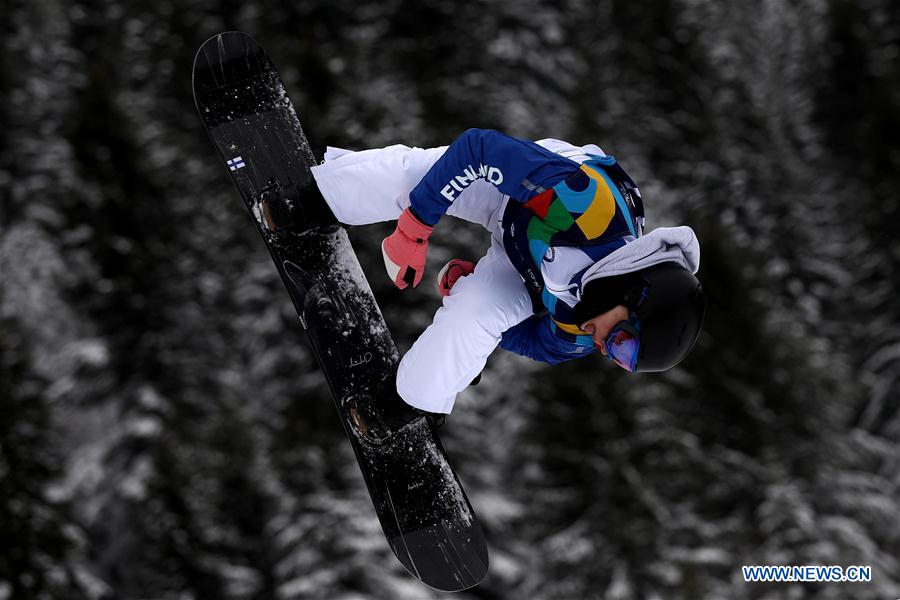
532, 338
516, 167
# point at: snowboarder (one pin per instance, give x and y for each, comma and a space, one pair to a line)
569, 271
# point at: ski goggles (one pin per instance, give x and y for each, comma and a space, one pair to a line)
624, 343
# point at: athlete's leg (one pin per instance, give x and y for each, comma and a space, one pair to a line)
466, 329
373, 185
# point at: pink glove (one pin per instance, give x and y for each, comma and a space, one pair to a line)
452, 272
404, 250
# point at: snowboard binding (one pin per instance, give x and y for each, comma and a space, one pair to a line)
282, 213
277, 211
376, 418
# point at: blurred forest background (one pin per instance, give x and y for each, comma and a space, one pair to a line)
165, 432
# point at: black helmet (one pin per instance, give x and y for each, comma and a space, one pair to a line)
668, 303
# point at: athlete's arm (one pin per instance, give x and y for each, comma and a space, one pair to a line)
534, 339
517, 167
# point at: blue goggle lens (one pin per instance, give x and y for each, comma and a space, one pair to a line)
623, 344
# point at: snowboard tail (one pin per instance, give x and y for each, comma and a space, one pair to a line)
424, 512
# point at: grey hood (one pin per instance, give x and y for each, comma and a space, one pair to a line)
664, 244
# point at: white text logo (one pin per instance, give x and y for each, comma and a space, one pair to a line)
461, 182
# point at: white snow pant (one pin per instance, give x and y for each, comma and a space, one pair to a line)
373, 185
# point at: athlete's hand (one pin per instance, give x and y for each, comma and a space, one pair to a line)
404, 250
452, 272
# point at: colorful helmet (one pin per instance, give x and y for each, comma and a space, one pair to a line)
666, 305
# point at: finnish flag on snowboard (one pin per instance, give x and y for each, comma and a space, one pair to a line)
235, 163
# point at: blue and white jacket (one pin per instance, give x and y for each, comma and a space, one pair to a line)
562, 219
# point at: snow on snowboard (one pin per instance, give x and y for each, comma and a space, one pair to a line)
423, 510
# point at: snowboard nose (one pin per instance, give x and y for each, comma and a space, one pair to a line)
227, 58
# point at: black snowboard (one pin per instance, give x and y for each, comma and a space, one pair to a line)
423, 510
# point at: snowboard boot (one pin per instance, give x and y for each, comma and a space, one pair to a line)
376, 420
292, 208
